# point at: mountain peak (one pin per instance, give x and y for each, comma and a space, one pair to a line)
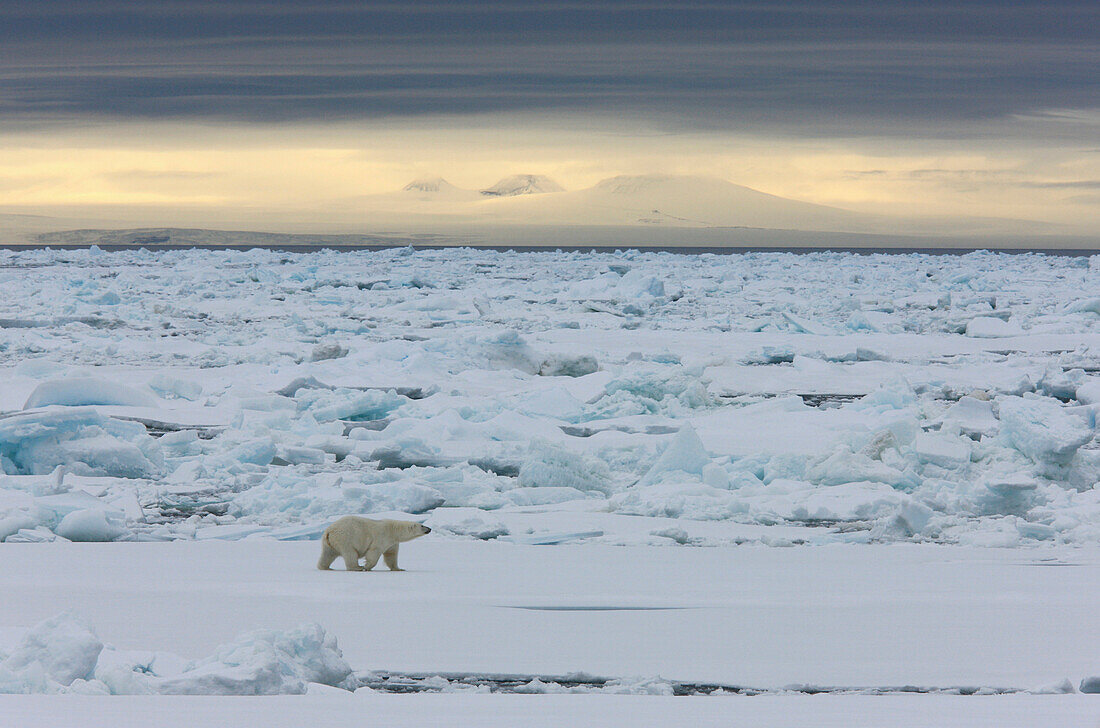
428, 184
522, 184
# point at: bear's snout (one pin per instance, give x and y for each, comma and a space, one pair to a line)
426, 530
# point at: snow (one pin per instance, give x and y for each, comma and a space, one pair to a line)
522, 184
684, 454
62, 654
466, 522
51, 654
552, 711
905, 614
870, 458
989, 327
1040, 429
86, 390
91, 524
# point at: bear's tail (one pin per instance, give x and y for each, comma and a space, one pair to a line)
328, 554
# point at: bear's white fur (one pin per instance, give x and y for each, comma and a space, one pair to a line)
353, 538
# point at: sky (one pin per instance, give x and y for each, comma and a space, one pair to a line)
234, 110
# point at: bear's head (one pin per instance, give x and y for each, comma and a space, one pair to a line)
414, 530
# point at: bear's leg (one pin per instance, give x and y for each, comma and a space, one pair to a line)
351, 560
371, 558
391, 559
328, 555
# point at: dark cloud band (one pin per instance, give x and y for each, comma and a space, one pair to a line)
796, 66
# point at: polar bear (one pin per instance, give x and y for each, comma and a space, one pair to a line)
354, 538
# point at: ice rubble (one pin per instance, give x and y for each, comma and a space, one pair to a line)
82, 439
86, 390
637, 383
63, 655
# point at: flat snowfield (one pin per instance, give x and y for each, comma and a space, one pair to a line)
839, 617
553, 711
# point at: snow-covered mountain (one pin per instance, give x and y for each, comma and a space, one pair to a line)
647, 202
634, 209
430, 185
522, 184
675, 201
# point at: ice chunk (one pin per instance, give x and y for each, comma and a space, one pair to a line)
684, 454
548, 465
400, 496
301, 455
466, 522
639, 686
291, 388
715, 476
229, 532
991, 533
39, 534
1086, 305
542, 496
260, 451
568, 365
1063, 687
844, 466
508, 350
63, 648
14, 523
941, 449
990, 327
264, 662
851, 502
169, 387
872, 321
970, 416
98, 454
656, 383
92, 524
77, 391
1089, 391
329, 350
678, 499
894, 397
635, 285
62, 504
551, 539
555, 402
1090, 684
125, 673
81, 439
1042, 429
910, 519
349, 404
678, 535
1061, 384
805, 326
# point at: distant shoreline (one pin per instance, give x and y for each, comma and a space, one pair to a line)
533, 238
520, 248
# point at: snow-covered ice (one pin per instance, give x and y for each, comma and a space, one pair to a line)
582, 401
217, 616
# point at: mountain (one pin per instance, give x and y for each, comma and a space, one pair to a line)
676, 201
429, 185
522, 184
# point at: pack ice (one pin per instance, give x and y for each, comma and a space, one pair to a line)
154, 395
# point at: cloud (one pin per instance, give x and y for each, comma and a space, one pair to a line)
1084, 184
936, 69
